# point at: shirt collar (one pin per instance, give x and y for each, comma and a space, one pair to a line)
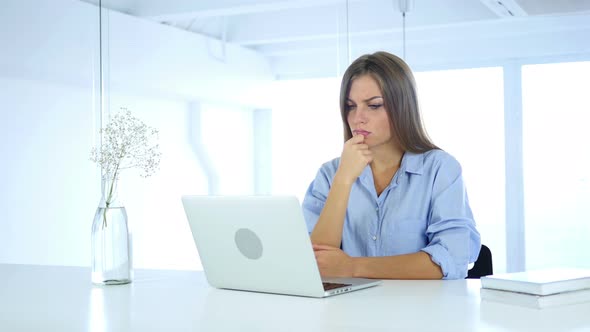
411, 163
367, 176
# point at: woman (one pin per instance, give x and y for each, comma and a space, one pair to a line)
393, 206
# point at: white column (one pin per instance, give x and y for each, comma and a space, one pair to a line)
515, 227
196, 142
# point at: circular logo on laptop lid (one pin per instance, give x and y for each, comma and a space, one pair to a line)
248, 243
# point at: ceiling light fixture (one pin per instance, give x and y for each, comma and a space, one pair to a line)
404, 7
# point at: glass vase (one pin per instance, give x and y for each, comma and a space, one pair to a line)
111, 247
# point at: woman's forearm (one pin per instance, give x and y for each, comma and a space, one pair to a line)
328, 229
409, 266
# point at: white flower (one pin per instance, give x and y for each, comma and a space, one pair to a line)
127, 143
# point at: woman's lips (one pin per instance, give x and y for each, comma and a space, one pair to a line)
361, 132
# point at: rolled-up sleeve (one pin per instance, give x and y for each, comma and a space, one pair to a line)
315, 198
453, 240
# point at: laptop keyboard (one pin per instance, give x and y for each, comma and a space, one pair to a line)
331, 285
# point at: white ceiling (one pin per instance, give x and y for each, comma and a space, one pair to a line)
304, 38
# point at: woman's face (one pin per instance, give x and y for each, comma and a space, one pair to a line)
367, 115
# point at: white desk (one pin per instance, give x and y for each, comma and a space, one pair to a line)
46, 298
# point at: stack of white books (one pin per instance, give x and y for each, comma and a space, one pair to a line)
538, 289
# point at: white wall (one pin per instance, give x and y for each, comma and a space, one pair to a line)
48, 195
48, 98
146, 57
161, 236
46, 106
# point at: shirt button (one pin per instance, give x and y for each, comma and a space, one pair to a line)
377, 209
374, 238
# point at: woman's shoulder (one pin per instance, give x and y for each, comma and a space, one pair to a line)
437, 155
436, 159
330, 166
327, 171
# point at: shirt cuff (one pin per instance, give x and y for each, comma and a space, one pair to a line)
441, 257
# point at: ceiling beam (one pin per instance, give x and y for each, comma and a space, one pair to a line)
505, 8
167, 11
551, 7
419, 34
329, 21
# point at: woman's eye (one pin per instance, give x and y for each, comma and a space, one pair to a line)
350, 107
375, 106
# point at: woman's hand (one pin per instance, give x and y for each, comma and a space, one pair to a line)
332, 261
355, 157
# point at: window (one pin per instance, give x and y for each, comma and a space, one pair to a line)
306, 131
556, 164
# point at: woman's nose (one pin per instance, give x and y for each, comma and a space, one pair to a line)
360, 115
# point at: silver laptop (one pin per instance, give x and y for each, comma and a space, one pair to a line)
261, 244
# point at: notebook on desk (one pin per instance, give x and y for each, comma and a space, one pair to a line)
535, 301
540, 282
259, 243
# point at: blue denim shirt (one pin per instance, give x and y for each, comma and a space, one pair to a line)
424, 208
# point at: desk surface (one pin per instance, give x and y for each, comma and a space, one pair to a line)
49, 298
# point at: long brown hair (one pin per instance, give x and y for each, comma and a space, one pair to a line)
398, 87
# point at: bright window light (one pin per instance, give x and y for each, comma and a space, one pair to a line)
556, 113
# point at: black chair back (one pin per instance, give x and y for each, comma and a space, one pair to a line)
483, 265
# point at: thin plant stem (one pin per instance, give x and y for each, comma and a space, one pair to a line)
109, 195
